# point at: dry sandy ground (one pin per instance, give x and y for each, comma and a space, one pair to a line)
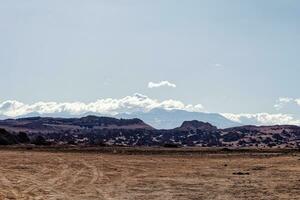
79, 176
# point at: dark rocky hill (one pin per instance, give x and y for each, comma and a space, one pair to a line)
196, 125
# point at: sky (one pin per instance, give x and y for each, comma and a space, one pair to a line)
237, 57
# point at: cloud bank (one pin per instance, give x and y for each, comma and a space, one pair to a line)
139, 103
161, 84
108, 106
284, 101
263, 118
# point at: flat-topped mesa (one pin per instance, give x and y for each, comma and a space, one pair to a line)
95, 120
56, 124
197, 125
109, 122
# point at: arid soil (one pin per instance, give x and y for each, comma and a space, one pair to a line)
79, 176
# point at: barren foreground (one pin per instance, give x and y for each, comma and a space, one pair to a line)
59, 175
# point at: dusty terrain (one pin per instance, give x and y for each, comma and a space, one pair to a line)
71, 175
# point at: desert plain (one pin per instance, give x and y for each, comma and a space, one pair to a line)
76, 175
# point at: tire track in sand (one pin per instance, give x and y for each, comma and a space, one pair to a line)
7, 183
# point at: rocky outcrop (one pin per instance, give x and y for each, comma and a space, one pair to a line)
197, 125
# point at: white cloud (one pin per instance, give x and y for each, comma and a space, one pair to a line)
219, 65
128, 104
161, 84
283, 101
262, 118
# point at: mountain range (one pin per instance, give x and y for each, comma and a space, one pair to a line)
158, 118
168, 119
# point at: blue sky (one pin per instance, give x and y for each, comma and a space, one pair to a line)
237, 56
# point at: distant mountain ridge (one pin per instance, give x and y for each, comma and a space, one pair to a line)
167, 119
157, 118
93, 130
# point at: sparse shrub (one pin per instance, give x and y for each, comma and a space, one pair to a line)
231, 137
23, 138
71, 142
40, 140
169, 145
7, 138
